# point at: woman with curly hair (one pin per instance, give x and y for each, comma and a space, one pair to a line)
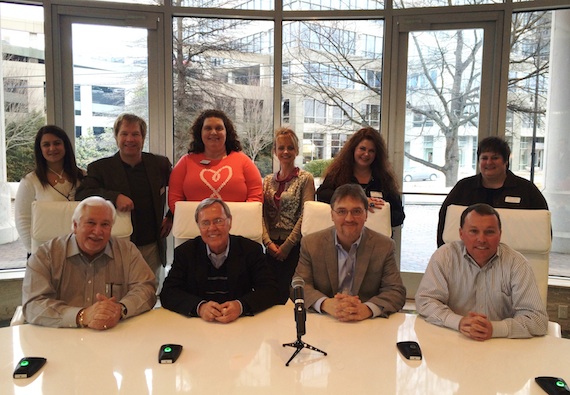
214, 166
364, 160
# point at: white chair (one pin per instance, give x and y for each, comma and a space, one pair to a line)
317, 216
554, 329
53, 219
18, 317
247, 220
526, 231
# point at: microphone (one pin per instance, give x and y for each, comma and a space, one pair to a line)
298, 285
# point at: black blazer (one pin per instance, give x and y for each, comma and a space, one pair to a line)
107, 178
250, 279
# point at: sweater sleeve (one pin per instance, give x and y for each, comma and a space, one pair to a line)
308, 195
252, 180
265, 236
326, 190
176, 183
23, 211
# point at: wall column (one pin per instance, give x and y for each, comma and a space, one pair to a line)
557, 177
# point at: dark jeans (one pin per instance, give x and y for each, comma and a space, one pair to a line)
284, 270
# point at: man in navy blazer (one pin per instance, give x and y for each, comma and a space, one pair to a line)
218, 276
350, 271
135, 181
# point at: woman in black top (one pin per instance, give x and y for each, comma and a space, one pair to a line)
364, 160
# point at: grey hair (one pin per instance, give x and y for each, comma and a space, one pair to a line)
92, 201
209, 202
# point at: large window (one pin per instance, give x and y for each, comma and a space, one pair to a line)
22, 73
323, 75
226, 64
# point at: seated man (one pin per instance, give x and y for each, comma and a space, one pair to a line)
87, 278
350, 271
479, 286
218, 276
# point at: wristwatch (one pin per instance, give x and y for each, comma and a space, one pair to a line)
124, 311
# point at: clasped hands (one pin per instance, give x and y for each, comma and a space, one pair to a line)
276, 252
224, 313
103, 314
476, 326
346, 308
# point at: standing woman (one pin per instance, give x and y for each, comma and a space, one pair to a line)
364, 160
55, 178
284, 194
214, 166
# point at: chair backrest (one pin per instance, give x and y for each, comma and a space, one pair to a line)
53, 219
317, 216
527, 231
246, 221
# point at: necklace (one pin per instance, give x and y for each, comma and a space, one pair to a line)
60, 179
67, 195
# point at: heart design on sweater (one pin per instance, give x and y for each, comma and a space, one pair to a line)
212, 179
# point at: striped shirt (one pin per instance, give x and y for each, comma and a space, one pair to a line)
504, 290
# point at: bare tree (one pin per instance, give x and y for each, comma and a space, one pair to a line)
450, 97
448, 66
256, 131
332, 68
211, 71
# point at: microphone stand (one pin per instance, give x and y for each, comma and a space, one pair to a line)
299, 345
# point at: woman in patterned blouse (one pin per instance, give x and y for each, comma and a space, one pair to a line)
284, 194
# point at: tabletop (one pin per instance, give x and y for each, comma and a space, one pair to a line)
248, 357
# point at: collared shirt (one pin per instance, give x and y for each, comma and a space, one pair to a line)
60, 281
504, 290
346, 264
218, 259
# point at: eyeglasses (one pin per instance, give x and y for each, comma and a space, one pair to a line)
217, 222
355, 212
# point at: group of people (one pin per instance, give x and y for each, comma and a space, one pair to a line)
477, 285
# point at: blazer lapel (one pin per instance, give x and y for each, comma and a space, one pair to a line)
331, 259
362, 260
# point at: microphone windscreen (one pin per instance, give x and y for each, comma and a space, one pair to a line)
297, 282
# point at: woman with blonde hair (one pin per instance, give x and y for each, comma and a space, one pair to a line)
284, 194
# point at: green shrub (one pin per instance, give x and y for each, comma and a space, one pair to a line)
317, 167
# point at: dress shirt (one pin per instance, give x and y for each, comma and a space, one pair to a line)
60, 281
504, 290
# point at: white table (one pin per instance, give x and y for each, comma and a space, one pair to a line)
248, 357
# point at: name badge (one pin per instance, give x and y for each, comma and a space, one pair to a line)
512, 199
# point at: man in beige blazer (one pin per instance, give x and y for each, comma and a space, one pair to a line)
350, 271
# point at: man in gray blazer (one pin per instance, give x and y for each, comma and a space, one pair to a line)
350, 271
